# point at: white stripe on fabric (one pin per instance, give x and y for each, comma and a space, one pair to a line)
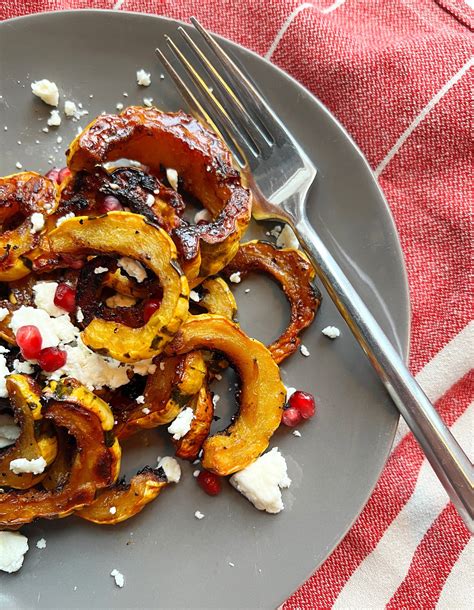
426, 110
118, 5
458, 590
285, 26
448, 366
378, 577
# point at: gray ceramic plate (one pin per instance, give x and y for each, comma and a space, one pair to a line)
236, 557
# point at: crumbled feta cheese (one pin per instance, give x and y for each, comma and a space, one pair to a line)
118, 577
21, 465
4, 312
62, 219
59, 139
119, 106
235, 277
202, 215
9, 431
289, 392
146, 411
143, 78
45, 129
23, 367
199, 515
194, 296
79, 315
196, 473
232, 565
140, 400
99, 270
215, 399
53, 330
331, 331
287, 239
150, 200
247, 290
54, 119
41, 544
46, 91
171, 467
275, 232
112, 510
172, 177
182, 424
162, 366
261, 481
120, 300
148, 102
3, 373
37, 222
13, 547
297, 433
18, 165
44, 298
69, 108
304, 350
133, 268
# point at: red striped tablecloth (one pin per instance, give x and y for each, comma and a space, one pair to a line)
398, 75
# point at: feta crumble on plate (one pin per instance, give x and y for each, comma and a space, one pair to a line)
41, 544
3, 313
54, 119
118, 577
182, 424
133, 268
304, 351
9, 431
287, 239
143, 78
44, 293
37, 222
171, 467
261, 481
331, 331
199, 515
235, 277
46, 91
13, 547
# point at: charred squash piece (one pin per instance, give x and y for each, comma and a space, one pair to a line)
94, 466
6, 332
294, 273
190, 445
122, 501
22, 195
204, 164
262, 392
175, 381
131, 236
36, 439
58, 472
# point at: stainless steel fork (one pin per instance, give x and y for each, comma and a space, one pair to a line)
260, 142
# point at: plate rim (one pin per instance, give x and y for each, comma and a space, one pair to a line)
385, 208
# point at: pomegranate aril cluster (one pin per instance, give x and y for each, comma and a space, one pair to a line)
30, 342
65, 297
301, 406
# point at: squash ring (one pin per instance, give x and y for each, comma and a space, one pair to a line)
26, 193
176, 140
129, 235
262, 394
294, 273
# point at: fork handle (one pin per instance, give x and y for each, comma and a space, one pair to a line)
451, 465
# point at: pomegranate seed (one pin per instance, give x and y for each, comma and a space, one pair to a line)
64, 173
53, 174
150, 307
109, 204
29, 341
210, 482
291, 417
65, 297
51, 359
304, 403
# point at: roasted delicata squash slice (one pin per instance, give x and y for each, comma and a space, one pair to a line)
123, 501
262, 395
129, 235
23, 195
203, 163
190, 444
218, 298
295, 274
173, 384
37, 439
95, 465
6, 332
